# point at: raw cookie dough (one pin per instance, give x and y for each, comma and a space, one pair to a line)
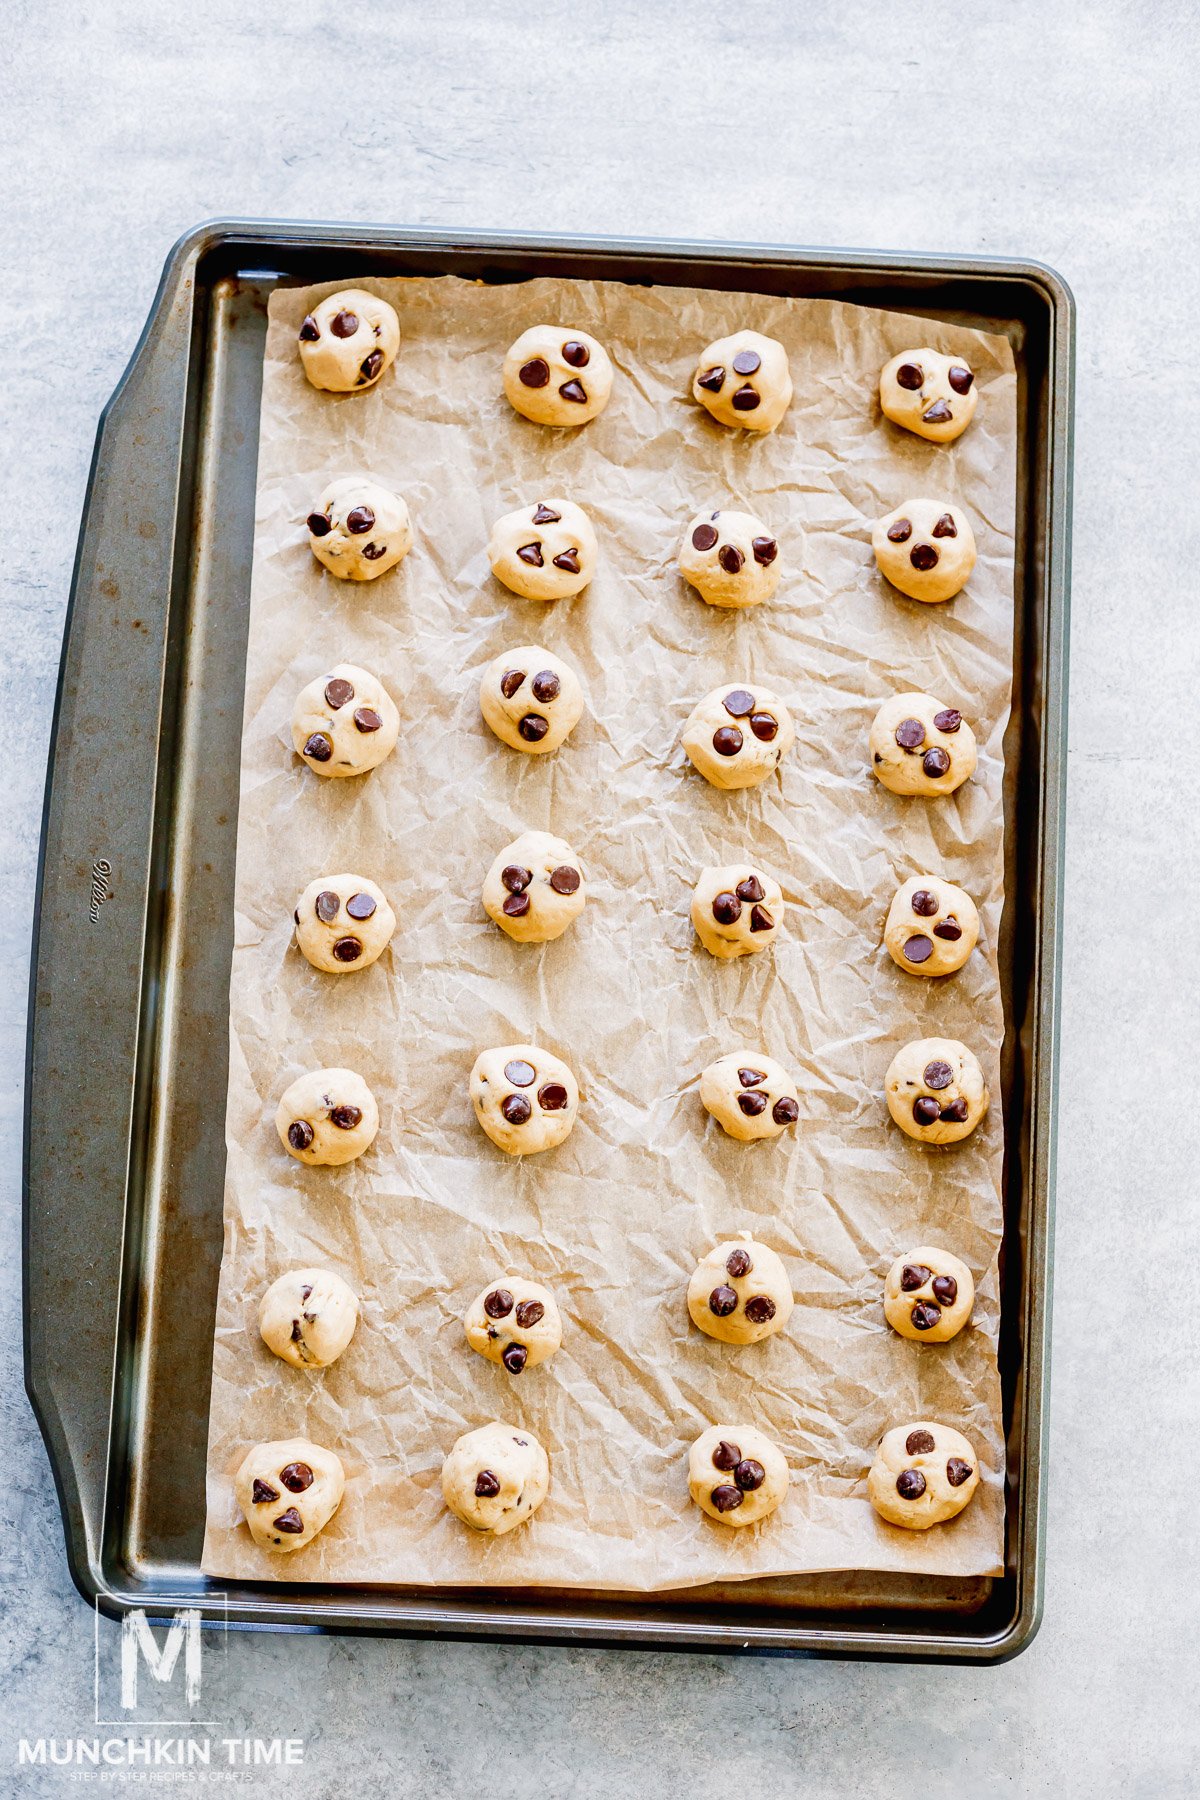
928, 1295
740, 1292
736, 1474
936, 1091
919, 746
558, 376
750, 1095
343, 922
289, 1490
736, 910
345, 723
535, 888
496, 1477
531, 699
744, 380
307, 1317
932, 926
327, 1117
348, 340
544, 552
922, 1475
926, 548
931, 394
730, 558
738, 735
524, 1098
514, 1322
359, 529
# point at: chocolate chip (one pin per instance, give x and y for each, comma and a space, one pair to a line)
529, 1314
738, 703
704, 537
738, 1263
948, 721
360, 906
564, 879
730, 558
750, 888
345, 1117
574, 390
726, 1456
958, 1471
300, 1134
960, 379
946, 1289
486, 1485
937, 414
938, 1075
919, 1443
545, 515
337, 692
760, 1309
305, 1290
761, 920
910, 1485
319, 525
373, 552
785, 1111
910, 734
510, 681
296, 1477
752, 1104
359, 519
726, 908
344, 324
722, 1301
936, 763
575, 353
910, 375
726, 1497
749, 1475
296, 915
516, 1109
289, 1521
765, 550
371, 366
727, 740
956, 1113
746, 399
514, 1358
515, 878
746, 362
713, 380
765, 726
923, 557
926, 1111
924, 904
546, 686
310, 331
899, 531
366, 719
327, 906
552, 1096
568, 560
318, 747
925, 1317
535, 373
347, 950
945, 527
751, 1077
531, 554
498, 1304
948, 928
520, 1073
917, 949
515, 906
533, 728
262, 1492
913, 1276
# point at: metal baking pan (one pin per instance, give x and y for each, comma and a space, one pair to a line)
128, 1032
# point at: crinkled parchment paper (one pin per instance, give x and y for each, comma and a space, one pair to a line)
615, 1219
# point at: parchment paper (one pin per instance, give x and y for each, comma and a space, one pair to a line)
615, 1219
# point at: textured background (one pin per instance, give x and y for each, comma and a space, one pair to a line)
1061, 133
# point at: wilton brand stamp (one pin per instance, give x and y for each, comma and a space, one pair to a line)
101, 870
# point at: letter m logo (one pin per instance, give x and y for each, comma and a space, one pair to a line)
138, 1640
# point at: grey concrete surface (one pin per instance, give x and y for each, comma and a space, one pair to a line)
1065, 133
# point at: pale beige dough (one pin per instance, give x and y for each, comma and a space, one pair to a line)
535, 888
926, 548
289, 1490
327, 1117
920, 389
740, 1292
544, 552
750, 1095
307, 1317
343, 923
344, 722
736, 1474
941, 1078
359, 529
928, 1295
736, 910
730, 558
919, 746
556, 375
524, 1098
496, 1477
932, 926
348, 340
738, 735
514, 1322
531, 699
923, 1474
744, 381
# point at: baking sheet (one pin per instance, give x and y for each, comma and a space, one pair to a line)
615, 1219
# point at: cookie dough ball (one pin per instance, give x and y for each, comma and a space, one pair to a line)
730, 558
345, 723
544, 552
740, 1292
935, 1091
307, 1317
736, 1474
359, 529
495, 1478
343, 922
923, 1474
749, 1095
531, 699
928, 1295
932, 926
736, 910
744, 380
327, 1117
931, 394
738, 735
926, 548
289, 1490
557, 376
348, 340
919, 746
514, 1322
535, 888
524, 1098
